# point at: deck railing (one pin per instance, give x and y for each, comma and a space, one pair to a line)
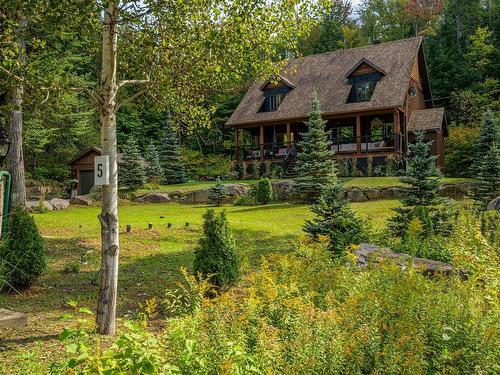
285, 150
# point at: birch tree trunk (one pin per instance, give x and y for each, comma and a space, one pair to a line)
15, 159
106, 308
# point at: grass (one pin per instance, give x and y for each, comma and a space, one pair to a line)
362, 182
149, 262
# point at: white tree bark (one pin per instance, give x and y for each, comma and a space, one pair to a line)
110, 248
15, 159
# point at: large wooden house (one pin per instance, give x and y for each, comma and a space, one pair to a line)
372, 98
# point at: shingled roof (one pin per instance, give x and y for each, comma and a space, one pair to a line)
427, 119
326, 74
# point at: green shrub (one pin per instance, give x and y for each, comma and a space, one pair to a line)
206, 167
459, 151
244, 200
215, 256
217, 193
24, 249
277, 171
264, 191
303, 313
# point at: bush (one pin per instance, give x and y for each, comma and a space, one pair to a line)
303, 313
24, 249
277, 171
459, 151
215, 256
244, 200
206, 167
217, 193
264, 192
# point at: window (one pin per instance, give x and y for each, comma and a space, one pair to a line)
274, 101
363, 86
343, 133
364, 90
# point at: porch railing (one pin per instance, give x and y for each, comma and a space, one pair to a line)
286, 150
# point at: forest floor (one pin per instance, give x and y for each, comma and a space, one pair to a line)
150, 261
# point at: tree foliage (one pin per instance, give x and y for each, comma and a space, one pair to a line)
216, 256
264, 191
314, 164
170, 157
153, 169
131, 170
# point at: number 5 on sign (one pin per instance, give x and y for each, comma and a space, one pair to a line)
101, 170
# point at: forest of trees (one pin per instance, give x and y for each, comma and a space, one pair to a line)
462, 45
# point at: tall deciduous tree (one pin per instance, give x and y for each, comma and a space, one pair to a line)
179, 52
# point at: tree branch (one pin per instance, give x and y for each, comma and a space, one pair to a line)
134, 82
10, 74
132, 97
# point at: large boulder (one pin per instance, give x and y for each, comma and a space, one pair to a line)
197, 196
494, 205
392, 193
455, 191
82, 200
59, 204
235, 190
201, 196
154, 198
372, 193
282, 190
356, 195
34, 206
371, 254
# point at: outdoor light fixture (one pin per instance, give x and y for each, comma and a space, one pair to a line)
4, 146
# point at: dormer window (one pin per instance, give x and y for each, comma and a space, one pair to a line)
363, 78
274, 93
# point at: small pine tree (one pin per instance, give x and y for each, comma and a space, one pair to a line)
170, 157
423, 176
154, 171
335, 220
264, 191
131, 173
489, 134
23, 250
489, 178
314, 164
218, 192
216, 252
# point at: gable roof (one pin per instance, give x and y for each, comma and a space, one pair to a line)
427, 119
280, 78
326, 74
367, 62
85, 152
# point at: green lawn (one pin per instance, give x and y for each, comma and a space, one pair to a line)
363, 182
149, 260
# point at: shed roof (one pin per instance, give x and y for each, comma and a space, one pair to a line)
326, 74
87, 150
427, 119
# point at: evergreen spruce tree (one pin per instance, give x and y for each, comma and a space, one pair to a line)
154, 171
422, 175
489, 134
170, 157
264, 191
216, 252
335, 220
425, 180
489, 178
218, 192
131, 171
314, 164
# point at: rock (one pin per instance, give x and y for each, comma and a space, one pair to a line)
235, 190
154, 198
12, 319
494, 205
59, 204
34, 206
201, 196
356, 195
455, 191
368, 253
282, 190
372, 193
197, 196
392, 193
82, 200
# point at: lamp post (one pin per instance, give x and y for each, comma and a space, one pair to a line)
4, 185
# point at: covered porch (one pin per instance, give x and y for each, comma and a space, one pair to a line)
354, 135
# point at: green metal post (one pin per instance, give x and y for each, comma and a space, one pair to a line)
6, 202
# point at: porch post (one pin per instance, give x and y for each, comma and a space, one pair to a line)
261, 142
396, 130
288, 138
358, 133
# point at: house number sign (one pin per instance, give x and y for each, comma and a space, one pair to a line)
101, 170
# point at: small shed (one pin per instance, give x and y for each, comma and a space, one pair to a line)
82, 170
